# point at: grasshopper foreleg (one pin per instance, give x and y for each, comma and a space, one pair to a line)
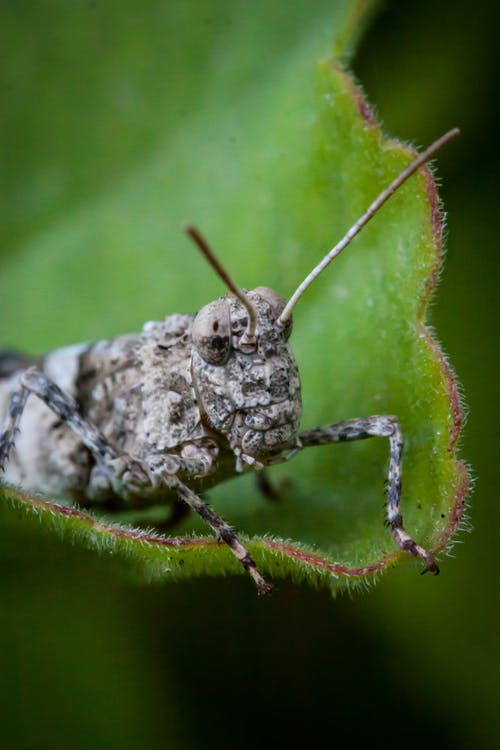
222, 530
377, 426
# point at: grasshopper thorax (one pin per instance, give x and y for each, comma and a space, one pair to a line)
248, 393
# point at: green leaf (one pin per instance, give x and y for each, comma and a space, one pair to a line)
226, 120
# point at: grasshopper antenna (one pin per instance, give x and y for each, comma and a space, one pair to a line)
249, 338
364, 219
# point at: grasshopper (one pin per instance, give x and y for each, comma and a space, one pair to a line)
163, 415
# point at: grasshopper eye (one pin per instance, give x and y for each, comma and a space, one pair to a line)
212, 332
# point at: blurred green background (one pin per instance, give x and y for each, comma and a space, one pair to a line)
91, 660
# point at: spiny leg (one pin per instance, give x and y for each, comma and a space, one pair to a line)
377, 426
122, 470
222, 530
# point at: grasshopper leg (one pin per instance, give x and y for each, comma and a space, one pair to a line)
377, 426
123, 471
223, 531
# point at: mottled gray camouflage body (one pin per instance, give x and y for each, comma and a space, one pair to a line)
154, 397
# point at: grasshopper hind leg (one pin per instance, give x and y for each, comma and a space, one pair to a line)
125, 476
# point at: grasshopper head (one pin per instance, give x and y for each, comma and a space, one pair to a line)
247, 391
